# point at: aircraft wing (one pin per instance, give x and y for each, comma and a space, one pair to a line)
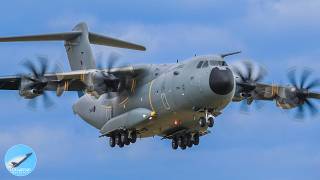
69, 81
10, 82
261, 92
285, 97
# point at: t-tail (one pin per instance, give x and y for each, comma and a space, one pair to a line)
77, 45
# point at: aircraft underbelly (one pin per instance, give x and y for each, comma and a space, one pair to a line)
172, 96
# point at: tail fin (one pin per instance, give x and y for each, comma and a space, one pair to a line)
77, 44
79, 51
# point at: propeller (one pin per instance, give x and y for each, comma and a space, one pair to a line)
109, 64
38, 81
105, 81
249, 75
302, 92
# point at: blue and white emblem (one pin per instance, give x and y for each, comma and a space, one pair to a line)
20, 160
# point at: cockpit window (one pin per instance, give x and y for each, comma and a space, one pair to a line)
205, 64
214, 63
200, 64
217, 63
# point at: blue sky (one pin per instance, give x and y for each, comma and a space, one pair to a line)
266, 144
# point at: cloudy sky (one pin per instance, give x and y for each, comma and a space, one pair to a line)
265, 144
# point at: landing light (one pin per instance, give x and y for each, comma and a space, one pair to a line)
176, 122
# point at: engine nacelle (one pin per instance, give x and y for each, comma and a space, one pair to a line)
286, 103
287, 98
29, 93
27, 90
102, 82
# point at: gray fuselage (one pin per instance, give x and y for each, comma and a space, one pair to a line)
178, 93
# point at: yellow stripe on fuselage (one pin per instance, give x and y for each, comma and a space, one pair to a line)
150, 101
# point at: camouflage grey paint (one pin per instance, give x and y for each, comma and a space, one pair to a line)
79, 51
172, 91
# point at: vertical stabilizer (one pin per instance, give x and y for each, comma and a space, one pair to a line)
79, 51
77, 44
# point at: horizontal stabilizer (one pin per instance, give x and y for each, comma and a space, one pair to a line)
43, 37
108, 41
68, 36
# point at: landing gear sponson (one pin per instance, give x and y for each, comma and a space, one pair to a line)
182, 138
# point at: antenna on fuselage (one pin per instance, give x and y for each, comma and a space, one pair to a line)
230, 54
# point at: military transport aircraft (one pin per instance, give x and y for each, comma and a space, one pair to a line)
177, 101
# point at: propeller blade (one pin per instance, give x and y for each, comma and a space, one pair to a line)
300, 112
261, 74
30, 66
239, 73
29, 78
305, 74
302, 92
112, 59
39, 81
43, 65
99, 58
248, 84
313, 84
311, 107
292, 78
47, 101
244, 107
32, 103
109, 64
249, 68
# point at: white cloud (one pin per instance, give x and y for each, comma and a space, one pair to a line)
283, 14
169, 42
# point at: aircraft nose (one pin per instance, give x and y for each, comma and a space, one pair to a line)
221, 81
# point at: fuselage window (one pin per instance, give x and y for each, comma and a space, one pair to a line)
200, 64
205, 64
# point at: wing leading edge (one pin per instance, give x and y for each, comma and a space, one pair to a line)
69, 81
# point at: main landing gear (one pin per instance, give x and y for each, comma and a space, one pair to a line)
185, 140
122, 137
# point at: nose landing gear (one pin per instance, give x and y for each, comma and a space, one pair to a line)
209, 121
